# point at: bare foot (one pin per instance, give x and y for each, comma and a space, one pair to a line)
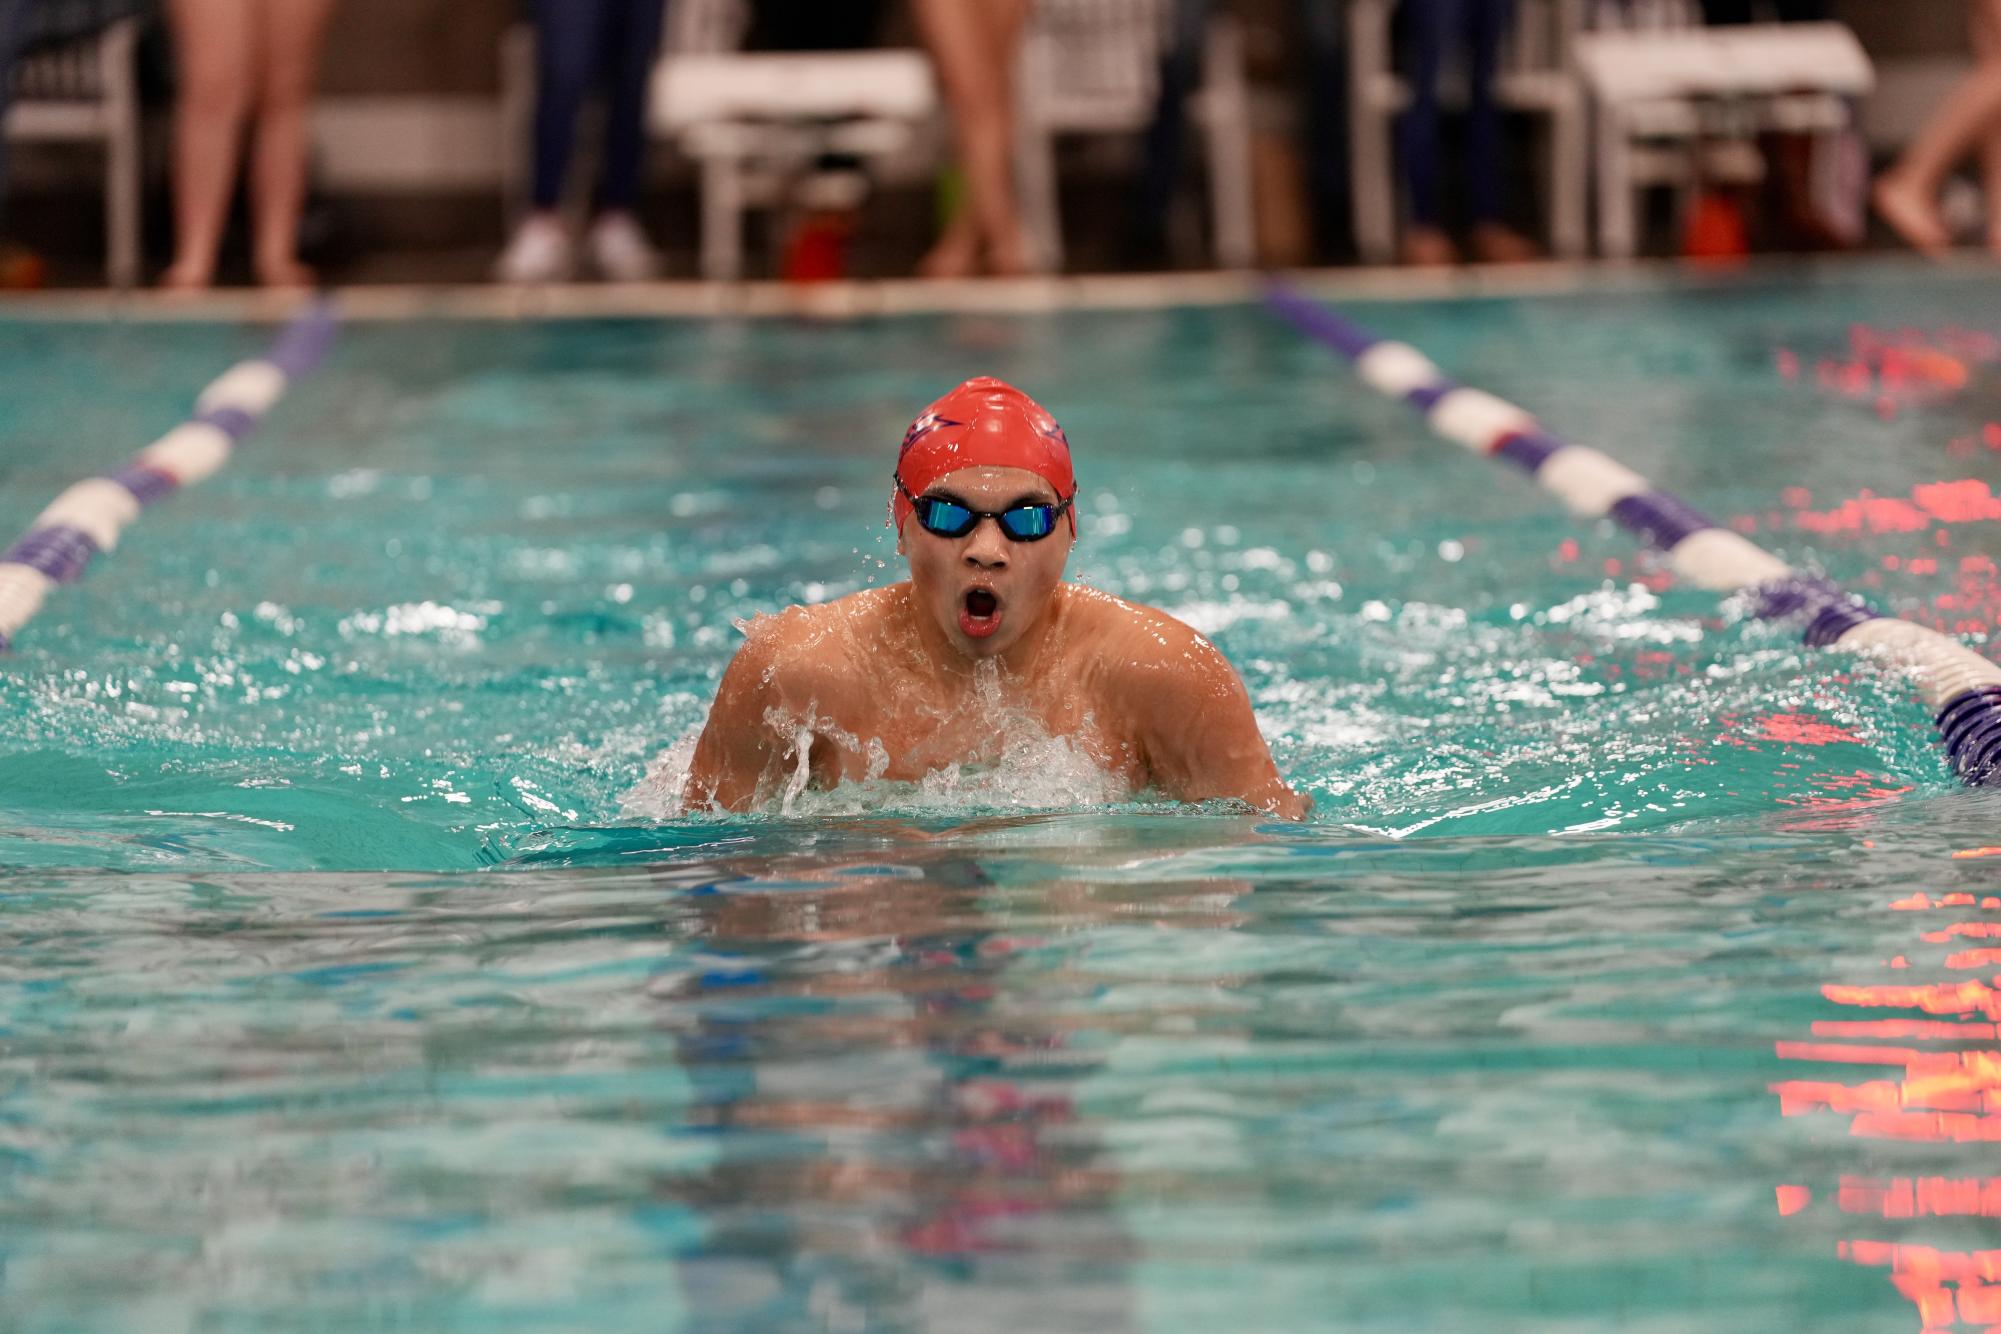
1428, 248
186, 275
1497, 244
1009, 258
957, 253
285, 273
1911, 213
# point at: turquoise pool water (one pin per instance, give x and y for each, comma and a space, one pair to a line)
357, 973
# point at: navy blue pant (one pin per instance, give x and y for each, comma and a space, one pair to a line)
1433, 28
583, 45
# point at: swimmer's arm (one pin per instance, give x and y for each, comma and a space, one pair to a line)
1197, 733
738, 748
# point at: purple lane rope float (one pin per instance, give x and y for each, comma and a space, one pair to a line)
1962, 688
88, 518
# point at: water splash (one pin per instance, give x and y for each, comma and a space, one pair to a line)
1034, 771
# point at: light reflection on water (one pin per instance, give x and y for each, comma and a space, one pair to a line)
539, 540
1491, 1043
1066, 1072
1917, 1073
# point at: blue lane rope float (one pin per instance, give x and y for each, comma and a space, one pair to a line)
88, 518
1962, 688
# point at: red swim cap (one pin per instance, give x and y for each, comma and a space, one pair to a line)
983, 423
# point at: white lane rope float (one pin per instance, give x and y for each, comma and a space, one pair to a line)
88, 518
1962, 688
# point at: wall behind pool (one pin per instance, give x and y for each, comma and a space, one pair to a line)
409, 89
443, 47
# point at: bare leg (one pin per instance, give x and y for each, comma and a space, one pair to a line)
974, 48
999, 209
1486, 23
213, 50
289, 38
956, 254
1906, 196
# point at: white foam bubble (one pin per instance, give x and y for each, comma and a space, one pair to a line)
657, 796
1034, 771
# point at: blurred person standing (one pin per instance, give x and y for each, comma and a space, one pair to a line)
974, 44
242, 64
1322, 25
1434, 28
582, 45
1968, 120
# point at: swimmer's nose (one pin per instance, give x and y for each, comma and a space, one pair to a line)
987, 546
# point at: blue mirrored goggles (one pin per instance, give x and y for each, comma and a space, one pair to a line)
949, 518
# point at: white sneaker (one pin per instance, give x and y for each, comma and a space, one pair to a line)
539, 253
620, 251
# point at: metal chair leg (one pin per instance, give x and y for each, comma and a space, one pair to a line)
1226, 111
722, 218
1617, 228
1372, 176
517, 116
1035, 182
1569, 183
122, 159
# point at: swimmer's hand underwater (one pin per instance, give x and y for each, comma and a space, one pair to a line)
983, 640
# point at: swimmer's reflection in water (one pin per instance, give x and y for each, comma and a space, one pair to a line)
891, 1078
984, 640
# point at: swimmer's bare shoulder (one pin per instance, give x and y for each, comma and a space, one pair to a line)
1187, 708
792, 664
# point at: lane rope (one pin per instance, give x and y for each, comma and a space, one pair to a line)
1962, 688
88, 518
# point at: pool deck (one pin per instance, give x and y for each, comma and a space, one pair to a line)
861, 299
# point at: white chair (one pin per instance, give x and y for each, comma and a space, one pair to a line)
86, 91
757, 123
1535, 76
754, 123
1093, 67
1658, 146
1662, 92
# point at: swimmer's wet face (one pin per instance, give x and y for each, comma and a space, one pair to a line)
984, 591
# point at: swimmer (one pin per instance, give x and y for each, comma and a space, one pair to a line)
983, 640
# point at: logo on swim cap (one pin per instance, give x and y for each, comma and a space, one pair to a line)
922, 427
985, 422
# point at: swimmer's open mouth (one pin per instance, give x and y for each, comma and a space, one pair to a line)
979, 612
